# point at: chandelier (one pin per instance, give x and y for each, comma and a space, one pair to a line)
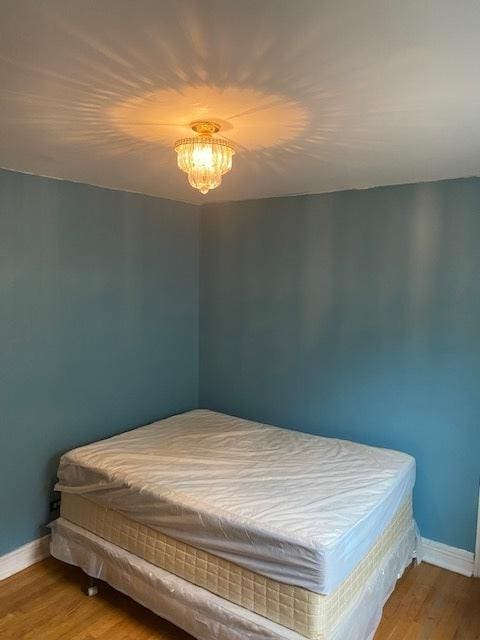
204, 159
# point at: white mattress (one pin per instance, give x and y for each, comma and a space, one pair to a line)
313, 615
203, 614
297, 508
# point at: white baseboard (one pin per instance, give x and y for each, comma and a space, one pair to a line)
23, 557
451, 558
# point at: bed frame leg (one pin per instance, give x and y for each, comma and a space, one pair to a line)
91, 588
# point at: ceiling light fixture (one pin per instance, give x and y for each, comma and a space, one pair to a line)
205, 159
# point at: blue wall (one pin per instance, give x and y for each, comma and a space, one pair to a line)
355, 314
98, 327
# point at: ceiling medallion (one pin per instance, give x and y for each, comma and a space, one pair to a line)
204, 159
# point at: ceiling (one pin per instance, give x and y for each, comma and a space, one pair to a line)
317, 95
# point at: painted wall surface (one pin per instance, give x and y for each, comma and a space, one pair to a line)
356, 315
98, 328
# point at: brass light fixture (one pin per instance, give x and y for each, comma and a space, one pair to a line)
204, 159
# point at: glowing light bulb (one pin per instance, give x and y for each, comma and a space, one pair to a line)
202, 157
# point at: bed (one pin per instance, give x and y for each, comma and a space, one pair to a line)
261, 532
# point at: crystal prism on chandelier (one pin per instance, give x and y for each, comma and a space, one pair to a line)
204, 159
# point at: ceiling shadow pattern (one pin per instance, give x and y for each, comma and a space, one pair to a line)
315, 96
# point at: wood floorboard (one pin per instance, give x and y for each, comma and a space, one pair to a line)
45, 602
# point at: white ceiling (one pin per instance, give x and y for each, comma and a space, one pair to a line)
318, 95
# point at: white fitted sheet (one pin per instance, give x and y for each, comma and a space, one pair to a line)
297, 508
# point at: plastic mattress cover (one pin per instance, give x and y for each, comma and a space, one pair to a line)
207, 616
298, 508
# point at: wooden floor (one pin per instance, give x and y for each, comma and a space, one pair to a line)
45, 602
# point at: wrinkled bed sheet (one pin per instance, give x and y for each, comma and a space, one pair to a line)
298, 508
